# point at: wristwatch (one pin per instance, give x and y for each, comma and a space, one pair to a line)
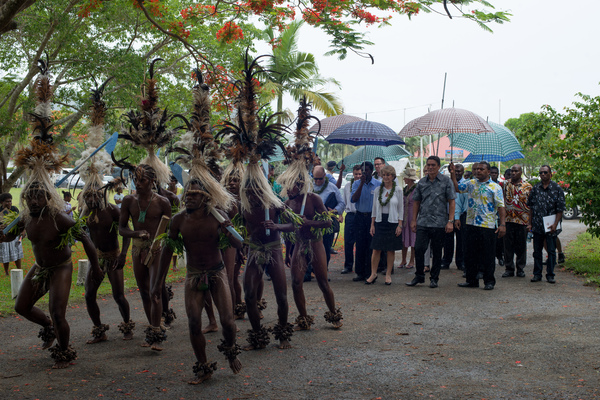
451, 221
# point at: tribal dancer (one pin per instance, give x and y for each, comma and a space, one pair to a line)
205, 267
235, 258
102, 219
146, 208
256, 139
51, 233
308, 239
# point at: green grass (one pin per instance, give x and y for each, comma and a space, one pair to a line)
583, 258
77, 292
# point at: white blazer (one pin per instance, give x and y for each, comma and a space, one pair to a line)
396, 205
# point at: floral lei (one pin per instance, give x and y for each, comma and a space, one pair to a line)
408, 190
387, 201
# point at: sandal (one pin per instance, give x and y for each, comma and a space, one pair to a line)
426, 269
402, 266
409, 266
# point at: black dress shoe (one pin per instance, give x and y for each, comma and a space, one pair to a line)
508, 274
551, 280
346, 271
489, 286
358, 278
467, 284
414, 282
445, 266
536, 279
333, 251
433, 284
521, 274
480, 275
501, 262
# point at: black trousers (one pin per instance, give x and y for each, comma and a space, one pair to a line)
362, 226
448, 249
481, 254
515, 244
461, 241
349, 241
328, 242
424, 236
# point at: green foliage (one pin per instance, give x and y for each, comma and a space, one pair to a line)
583, 257
534, 132
73, 233
577, 157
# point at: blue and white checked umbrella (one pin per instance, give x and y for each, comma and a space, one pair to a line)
501, 142
493, 157
365, 133
389, 153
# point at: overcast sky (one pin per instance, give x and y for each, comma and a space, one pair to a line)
547, 53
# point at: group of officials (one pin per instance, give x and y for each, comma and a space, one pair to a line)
477, 211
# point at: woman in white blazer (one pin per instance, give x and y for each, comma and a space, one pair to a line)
386, 223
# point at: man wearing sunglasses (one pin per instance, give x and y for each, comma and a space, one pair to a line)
547, 199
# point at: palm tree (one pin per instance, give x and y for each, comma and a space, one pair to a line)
296, 73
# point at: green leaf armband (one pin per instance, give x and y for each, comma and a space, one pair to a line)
73, 233
174, 244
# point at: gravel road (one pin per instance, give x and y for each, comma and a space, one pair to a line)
522, 340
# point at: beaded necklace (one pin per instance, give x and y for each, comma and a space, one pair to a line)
387, 201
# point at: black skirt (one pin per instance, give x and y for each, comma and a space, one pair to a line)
385, 238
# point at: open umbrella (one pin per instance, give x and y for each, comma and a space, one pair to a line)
330, 124
390, 153
501, 141
493, 157
364, 133
446, 121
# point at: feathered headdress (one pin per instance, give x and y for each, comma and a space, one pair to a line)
205, 153
299, 156
41, 156
148, 127
100, 164
253, 137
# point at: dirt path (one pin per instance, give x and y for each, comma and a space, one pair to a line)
521, 340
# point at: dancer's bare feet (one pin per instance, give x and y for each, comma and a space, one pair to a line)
156, 347
145, 344
201, 377
299, 328
211, 328
337, 324
284, 344
235, 365
128, 336
48, 343
61, 364
102, 338
251, 347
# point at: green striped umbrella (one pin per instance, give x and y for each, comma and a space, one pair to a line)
501, 142
389, 153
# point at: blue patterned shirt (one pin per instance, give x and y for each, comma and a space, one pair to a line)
484, 200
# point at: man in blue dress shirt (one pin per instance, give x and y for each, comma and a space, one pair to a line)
362, 196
